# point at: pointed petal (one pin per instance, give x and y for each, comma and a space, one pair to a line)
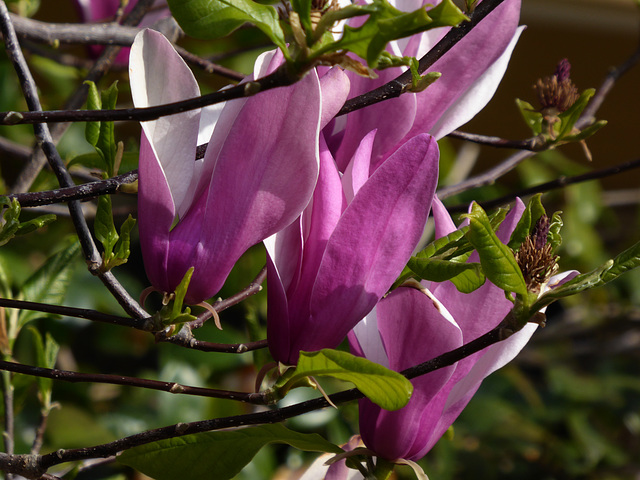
443, 222
414, 328
159, 75
265, 170
469, 104
319, 220
155, 215
371, 243
358, 171
335, 90
467, 61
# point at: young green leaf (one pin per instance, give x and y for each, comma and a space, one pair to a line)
219, 455
387, 23
94, 102
104, 228
530, 216
386, 388
571, 116
497, 260
469, 280
210, 19
46, 354
437, 270
532, 118
10, 219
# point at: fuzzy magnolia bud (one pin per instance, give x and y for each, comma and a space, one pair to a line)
557, 93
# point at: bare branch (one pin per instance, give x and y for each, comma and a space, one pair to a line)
171, 387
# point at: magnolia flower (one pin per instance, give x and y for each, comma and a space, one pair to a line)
329, 268
256, 177
411, 326
103, 10
471, 72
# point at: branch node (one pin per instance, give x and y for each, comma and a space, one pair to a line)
181, 428
176, 388
11, 118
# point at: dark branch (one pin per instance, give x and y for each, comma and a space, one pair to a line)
171, 387
553, 185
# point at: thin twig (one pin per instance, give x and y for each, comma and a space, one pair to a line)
534, 144
78, 192
552, 185
92, 256
171, 387
106, 34
280, 78
254, 287
93, 315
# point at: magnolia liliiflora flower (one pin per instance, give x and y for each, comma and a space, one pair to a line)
471, 72
329, 268
257, 175
413, 325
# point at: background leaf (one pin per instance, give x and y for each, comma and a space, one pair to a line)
219, 455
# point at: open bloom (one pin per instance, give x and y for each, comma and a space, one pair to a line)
471, 72
411, 326
328, 269
257, 175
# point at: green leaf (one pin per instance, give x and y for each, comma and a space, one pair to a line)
94, 102
104, 228
219, 455
585, 132
611, 270
497, 260
571, 116
181, 291
554, 237
10, 219
35, 224
210, 19
106, 141
469, 280
437, 270
387, 23
386, 388
121, 249
46, 355
49, 283
527, 222
532, 118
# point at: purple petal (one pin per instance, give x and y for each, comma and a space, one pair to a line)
467, 61
393, 117
414, 328
265, 169
318, 223
371, 244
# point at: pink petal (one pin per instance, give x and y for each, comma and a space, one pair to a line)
173, 138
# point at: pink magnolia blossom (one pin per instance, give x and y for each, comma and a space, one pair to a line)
411, 326
258, 173
329, 268
471, 72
